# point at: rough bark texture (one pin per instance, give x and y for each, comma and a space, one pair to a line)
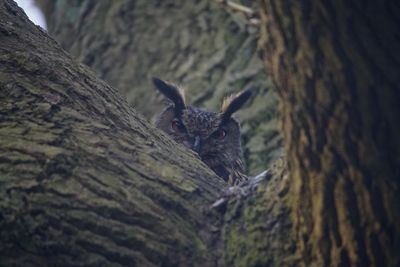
336, 68
195, 43
85, 180
256, 229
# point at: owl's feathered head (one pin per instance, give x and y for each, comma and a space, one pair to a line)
215, 136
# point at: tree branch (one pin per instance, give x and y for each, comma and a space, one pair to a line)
250, 14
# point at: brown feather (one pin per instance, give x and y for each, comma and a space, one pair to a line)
226, 102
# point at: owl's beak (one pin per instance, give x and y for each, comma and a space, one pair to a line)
196, 144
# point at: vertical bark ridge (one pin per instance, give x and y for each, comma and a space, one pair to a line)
338, 91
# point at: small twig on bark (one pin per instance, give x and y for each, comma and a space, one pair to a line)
240, 191
248, 12
237, 7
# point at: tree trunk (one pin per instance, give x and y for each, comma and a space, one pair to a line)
195, 43
336, 69
85, 180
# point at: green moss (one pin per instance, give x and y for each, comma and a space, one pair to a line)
47, 150
256, 226
174, 174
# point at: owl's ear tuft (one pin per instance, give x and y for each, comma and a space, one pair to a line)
172, 92
233, 103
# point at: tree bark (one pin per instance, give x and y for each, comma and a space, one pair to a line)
195, 43
84, 179
336, 66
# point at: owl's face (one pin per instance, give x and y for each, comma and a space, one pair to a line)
201, 131
214, 136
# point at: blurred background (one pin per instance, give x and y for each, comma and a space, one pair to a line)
202, 45
34, 13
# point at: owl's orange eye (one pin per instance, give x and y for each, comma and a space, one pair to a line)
177, 126
219, 134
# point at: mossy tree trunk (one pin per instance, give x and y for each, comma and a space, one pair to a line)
336, 68
84, 180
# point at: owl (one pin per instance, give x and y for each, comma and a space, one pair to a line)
214, 136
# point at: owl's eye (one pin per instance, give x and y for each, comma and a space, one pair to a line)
177, 126
219, 134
